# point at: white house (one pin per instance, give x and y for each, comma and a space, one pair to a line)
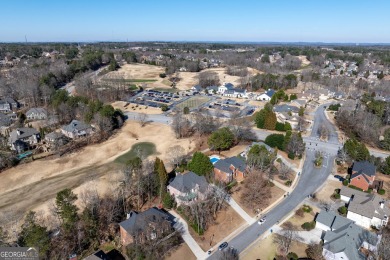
365, 209
266, 96
76, 129
225, 87
235, 93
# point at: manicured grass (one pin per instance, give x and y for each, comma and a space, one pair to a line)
145, 148
193, 102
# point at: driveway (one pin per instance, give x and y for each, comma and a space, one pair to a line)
306, 237
240, 211
181, 225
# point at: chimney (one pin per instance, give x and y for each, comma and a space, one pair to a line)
128, 215
382, 203
18, 131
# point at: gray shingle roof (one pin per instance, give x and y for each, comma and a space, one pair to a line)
332, 220
286, 108
76, 125
99, 255
364, 167
4, 120
138, 222
188, 181
365, 204
36, 110
348, 239
224, 164
21, 133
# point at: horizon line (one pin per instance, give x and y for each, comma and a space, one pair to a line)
206, 41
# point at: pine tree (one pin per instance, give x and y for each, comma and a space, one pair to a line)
66, 209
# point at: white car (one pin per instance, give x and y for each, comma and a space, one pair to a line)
261, 221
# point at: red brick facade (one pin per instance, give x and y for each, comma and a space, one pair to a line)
126, 238
360, 181
227, 177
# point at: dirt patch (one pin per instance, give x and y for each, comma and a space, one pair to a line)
276, 193
386, 184
182, 252
227, 221
234, 151
125, 107
265, 249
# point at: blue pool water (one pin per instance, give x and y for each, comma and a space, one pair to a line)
214, 160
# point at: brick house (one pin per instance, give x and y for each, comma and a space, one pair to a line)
225, 170
363, 175
188, 187
148, 225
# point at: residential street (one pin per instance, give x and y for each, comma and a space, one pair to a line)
311, 179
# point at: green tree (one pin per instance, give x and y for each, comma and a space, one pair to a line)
259, 157
168, 201
260, 118
356, 150
34, 235
163, 177
287, 126
275, 140
200, 164
265, 58
186, 110
301, 111
293, 96
270, 121
386, 166
222, 139
66, 209
164, 107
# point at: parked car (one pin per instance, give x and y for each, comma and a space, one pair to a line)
223, 246
340, 178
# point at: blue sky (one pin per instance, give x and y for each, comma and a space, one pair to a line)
213, 20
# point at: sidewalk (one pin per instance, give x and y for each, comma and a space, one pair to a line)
240, 211
181, 225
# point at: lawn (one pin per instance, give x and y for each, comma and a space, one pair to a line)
182, 252
130, 80
265, 249
193, 102
171, 90
145, 148
227, 221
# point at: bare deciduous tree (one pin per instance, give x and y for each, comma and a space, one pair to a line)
176, 154
256, 191
314, 251
323, 131
285, 239
143, 119
284, 171
181, 125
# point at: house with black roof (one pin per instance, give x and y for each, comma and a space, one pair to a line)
143, 226
363, 175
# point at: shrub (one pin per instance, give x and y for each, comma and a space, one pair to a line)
343, 210
354, 187
345, 182
292, 256
381, 191
164, 108
186, 110
369, 190
336, 196
162, 75
291, 155
288, 183
168, 201
279, 127
275, 140
306, 208
309, 225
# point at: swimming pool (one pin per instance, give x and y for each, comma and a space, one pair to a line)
214, 159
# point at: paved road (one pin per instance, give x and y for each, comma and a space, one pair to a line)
310, 180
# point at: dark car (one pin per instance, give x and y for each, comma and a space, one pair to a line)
340, 178
223, 246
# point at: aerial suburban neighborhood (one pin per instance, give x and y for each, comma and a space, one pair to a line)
172, 136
